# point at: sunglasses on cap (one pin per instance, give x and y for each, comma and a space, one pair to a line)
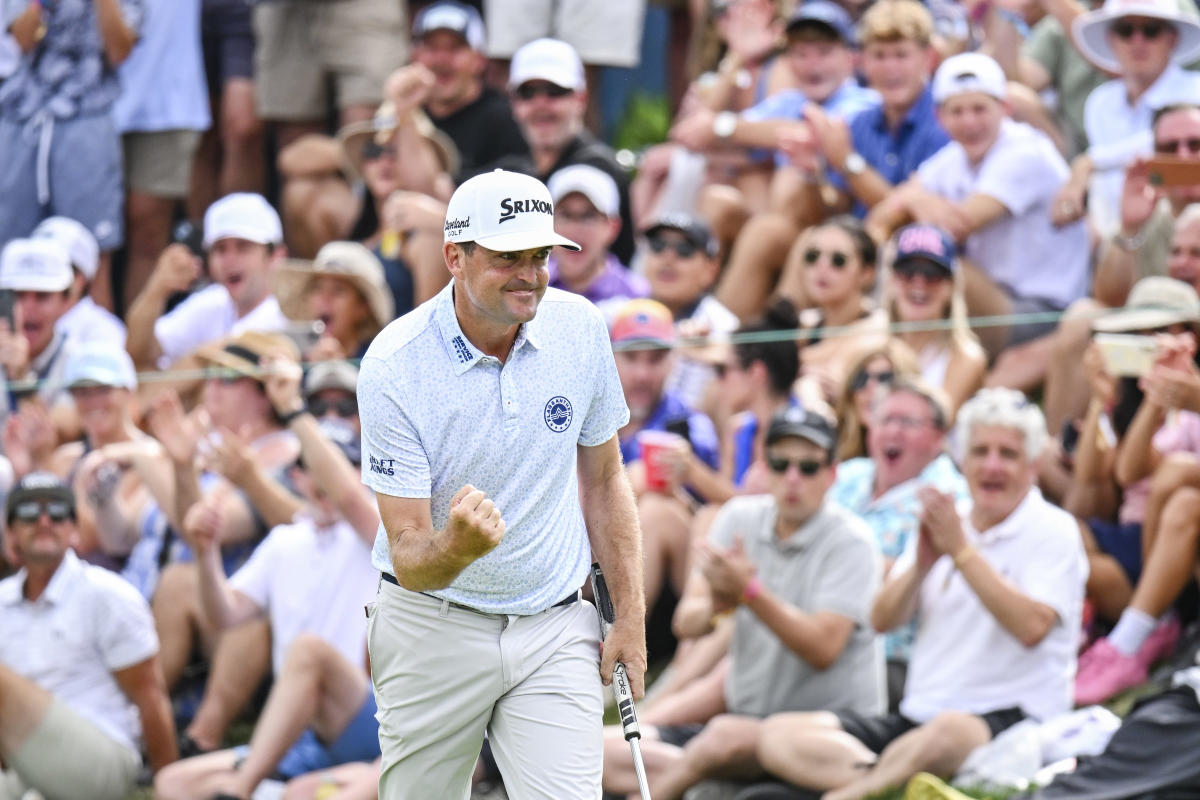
1189, 145
807, 466
920, 267
682, 247
345, 408
863, 377
1152, 29
838, 259
528, 91
31, 510
373, 150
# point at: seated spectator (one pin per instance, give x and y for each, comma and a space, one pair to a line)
38, 272
867, 381
1118, 114
63, 152
991, 189
925, 285
329, 392
85, 321
243, 244
79, 669
906, 446
798, 573
587, 210
999, 592
344, 290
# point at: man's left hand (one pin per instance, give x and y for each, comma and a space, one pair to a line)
939, 518
626, 643
727, 571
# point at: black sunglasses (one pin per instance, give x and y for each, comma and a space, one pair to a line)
807, 466
1125, 29
32, 510
682, 247
863, 377
345, 408
1191, 145
528, 91
925, 269
836, 257
374, 150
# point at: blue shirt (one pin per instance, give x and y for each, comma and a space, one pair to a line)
67, 75
615, 282
894, 154
700, 430
848, 100
163, 86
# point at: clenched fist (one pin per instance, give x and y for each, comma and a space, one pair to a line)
475, 526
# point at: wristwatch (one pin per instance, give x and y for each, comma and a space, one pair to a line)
854, 164
724, 124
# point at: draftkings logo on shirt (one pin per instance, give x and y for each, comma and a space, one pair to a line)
383, 466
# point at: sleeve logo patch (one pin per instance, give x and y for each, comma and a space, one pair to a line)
558, 414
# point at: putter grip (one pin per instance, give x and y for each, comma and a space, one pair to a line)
624, 697
604, 605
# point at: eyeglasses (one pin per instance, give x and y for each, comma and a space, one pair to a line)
1190, 145
682, 247
908, 423
31, 510
907, 270
528, 91
807, 466
863, 377
374, 150
345, 408
837, 258
1124, 29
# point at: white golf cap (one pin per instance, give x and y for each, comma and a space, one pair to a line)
969, 72
242, 216
547, 60
503, 211
593, 183
453, 16
1091, 29
35, 265
76, 239
99, 363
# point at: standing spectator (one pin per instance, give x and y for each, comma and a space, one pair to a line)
62, 153
79, 669
38, 272
243, 241
86, 320
161, 113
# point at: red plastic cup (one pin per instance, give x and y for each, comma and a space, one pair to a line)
653, 443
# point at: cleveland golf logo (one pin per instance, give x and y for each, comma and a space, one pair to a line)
509, 208
558, 414
455, 226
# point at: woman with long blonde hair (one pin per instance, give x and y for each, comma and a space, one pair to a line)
876, 367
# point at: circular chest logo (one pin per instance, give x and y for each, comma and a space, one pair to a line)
558, 414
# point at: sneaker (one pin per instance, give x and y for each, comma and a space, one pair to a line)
924, 786
1160, 643
1106, 672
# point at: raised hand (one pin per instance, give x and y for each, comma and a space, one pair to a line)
178, 433
175, 271
475, 526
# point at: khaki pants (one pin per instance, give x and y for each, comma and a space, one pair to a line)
69, 758
444, 675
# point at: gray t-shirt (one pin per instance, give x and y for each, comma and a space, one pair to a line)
831, 563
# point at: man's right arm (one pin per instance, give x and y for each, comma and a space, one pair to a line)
897, 600
223, 606
175, 271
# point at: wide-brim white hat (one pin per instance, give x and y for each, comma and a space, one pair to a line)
1091, 30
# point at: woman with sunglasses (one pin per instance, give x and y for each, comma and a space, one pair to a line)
923, 297
874, 369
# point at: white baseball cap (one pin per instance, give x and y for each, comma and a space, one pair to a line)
547, 60
503, 211
242, 215
593, 183
453, 16
35, 265
969, 72
76, 239
99, 363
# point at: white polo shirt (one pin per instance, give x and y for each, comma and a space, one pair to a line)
963, 659
88, 624
1024, 252
209, 315
88, 322
437, 414
312, 580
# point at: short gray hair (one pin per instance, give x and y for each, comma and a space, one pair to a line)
1002, 408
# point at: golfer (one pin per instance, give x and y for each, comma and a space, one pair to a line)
490, 417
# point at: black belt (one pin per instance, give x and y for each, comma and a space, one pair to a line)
566, 601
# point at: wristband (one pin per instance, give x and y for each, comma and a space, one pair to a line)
753, 589
964, 555
1131, 244
290, 417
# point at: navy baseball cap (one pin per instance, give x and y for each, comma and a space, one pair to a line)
825, 13
794, 421
926, 242
693, 228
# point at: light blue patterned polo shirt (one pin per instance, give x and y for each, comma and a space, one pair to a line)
437, 414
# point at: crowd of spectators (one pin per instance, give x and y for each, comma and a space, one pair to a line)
905, 306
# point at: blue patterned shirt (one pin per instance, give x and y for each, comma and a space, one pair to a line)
437, 414
67, 75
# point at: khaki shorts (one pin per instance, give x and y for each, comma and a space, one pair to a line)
159, 163
444, 675
68, 757
590, 26
299, 43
